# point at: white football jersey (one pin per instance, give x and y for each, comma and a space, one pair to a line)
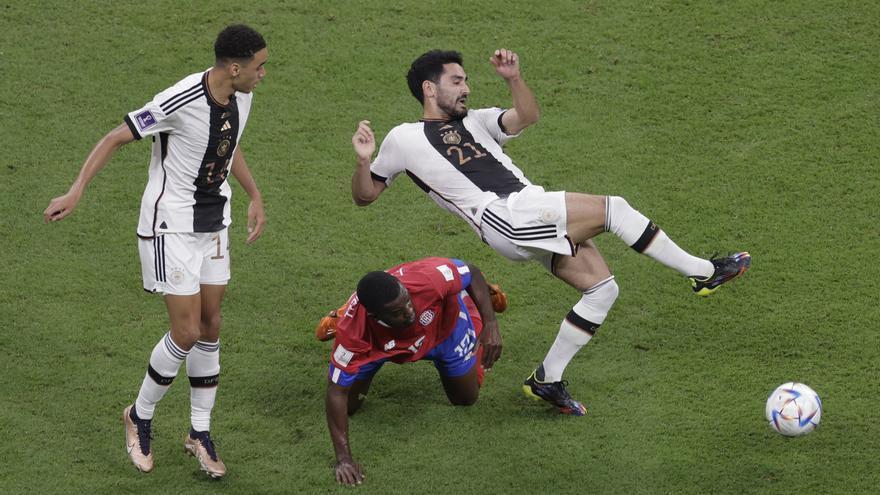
458, 163
193, 141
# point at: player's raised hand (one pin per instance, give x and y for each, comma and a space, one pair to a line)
506, 63
60, 207
363, 140
349, 473
256, 221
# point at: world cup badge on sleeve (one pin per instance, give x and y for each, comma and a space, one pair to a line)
145, 120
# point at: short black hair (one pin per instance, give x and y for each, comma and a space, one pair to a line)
428, 67
376, 289
238, 41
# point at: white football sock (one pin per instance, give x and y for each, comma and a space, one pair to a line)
644, 236
203, 369
165, 361
667, 252
579, 326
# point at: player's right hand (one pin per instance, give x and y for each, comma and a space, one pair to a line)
499, 298
60, 207
506, 63
349, 473
326, 328
363, 141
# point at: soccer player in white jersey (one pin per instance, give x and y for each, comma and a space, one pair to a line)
455, 155
195, 127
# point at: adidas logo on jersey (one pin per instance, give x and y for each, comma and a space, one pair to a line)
226, 127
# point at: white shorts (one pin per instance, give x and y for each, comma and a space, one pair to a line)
179, 263
529, 224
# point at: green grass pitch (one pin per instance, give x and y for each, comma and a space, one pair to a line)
734, 125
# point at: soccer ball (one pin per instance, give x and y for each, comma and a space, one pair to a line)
793, 409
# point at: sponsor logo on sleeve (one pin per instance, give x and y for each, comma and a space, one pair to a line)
342, 356
447, 272
145, 120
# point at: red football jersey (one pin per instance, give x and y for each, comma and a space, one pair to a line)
434, 284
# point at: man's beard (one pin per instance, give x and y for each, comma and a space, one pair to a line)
452, 111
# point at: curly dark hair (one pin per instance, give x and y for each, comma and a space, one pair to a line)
376, 289
429, 67
238, 42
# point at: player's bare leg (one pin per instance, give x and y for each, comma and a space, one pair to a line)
184, 314
357, 394
586, 216
203, 369
210, 319
165, 361
587, 272
584, 270
462, 390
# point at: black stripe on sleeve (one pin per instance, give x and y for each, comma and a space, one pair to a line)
134, 129
501, 124
378, 177
179, 96
178, 105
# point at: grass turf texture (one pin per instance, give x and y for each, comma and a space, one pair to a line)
734, 125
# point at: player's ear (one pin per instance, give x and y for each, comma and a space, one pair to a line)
234, 69
429, 88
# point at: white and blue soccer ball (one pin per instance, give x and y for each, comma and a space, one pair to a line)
794, 409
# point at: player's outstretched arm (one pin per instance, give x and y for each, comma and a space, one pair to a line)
525, 111
256, 213
490, 339
364, 190
62, 206
348, 472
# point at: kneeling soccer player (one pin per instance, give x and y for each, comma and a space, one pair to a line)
435, 309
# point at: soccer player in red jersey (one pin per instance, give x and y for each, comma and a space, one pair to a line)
435, 309
455, 154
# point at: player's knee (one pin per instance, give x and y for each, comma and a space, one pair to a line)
210, 325
597, 301
185, 337
609, 292
466, 399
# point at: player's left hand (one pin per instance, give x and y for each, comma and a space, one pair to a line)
490, 339
349, 473
506, 63
60, 207
256, 220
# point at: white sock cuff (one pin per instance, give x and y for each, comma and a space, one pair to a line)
172, 349
595, 304
206, 346
625, 222
203, 362
165, 360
